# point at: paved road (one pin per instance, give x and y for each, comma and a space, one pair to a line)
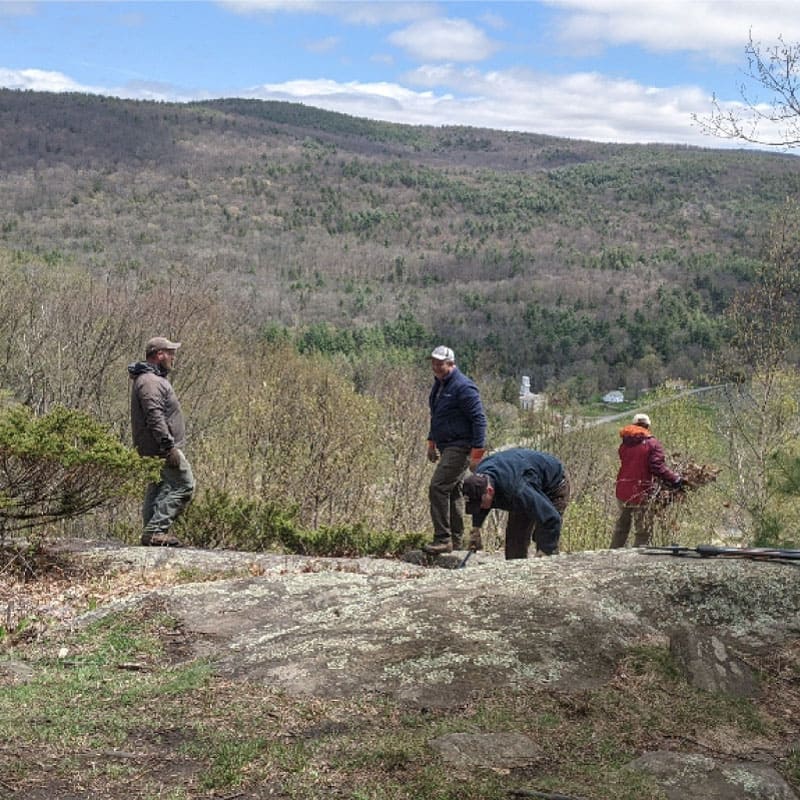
591, 421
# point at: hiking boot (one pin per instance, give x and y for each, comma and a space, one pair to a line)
437, 548
160, 540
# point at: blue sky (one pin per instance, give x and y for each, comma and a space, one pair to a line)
606, 70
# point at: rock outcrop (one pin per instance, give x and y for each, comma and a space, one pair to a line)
436, 637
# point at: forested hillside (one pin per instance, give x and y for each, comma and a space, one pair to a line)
589, 264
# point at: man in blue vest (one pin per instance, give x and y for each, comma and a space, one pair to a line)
456, 443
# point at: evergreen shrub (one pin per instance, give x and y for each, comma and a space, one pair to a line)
351, 541
219, 519
62, 465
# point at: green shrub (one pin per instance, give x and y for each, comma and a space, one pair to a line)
588, 523
350, 541
60, 466
218, 519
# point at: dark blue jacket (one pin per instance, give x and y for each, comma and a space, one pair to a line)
522, 481
457, 416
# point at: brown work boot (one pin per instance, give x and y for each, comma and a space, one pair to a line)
437, 548
162, 540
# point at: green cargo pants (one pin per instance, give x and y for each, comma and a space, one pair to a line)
446, 496
164, 501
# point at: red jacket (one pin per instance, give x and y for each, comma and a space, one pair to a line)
641, 463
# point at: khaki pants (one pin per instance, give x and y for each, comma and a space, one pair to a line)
446, 496
641, 517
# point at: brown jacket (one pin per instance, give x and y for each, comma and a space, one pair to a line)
156, 418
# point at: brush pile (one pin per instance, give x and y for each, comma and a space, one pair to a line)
694, 476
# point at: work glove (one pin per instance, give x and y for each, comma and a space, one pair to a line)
475, 542
433, 453
475, 456
173, 458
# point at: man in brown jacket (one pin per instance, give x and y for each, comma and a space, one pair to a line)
159, 430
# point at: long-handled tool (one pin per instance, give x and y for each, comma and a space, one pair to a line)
465, 559
713, 551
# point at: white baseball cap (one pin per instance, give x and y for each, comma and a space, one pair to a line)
641, 419
442, 353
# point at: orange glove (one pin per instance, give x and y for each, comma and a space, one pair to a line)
475, 456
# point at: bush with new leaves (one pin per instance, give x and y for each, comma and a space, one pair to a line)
61, 465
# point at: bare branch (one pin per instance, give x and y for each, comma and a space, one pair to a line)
771, 122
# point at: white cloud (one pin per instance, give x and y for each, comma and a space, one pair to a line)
444, 40
492, 20
718, 28
273, 6
581, 106
40, 80
357, 13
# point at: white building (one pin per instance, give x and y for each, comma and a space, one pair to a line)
614, 397
528, 401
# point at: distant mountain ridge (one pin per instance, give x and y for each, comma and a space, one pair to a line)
557, 258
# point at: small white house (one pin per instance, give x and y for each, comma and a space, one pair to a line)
615, 396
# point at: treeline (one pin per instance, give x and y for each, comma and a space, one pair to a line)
310, 441
313, 437
265, 421
585, 266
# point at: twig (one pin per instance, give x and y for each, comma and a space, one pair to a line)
694, 476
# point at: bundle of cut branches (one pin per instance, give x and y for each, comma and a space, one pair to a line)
694, 476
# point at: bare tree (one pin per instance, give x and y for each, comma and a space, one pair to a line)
772, 119
760, 423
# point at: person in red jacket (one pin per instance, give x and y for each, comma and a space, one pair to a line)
641, 467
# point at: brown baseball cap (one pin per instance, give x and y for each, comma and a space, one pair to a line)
159, 343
